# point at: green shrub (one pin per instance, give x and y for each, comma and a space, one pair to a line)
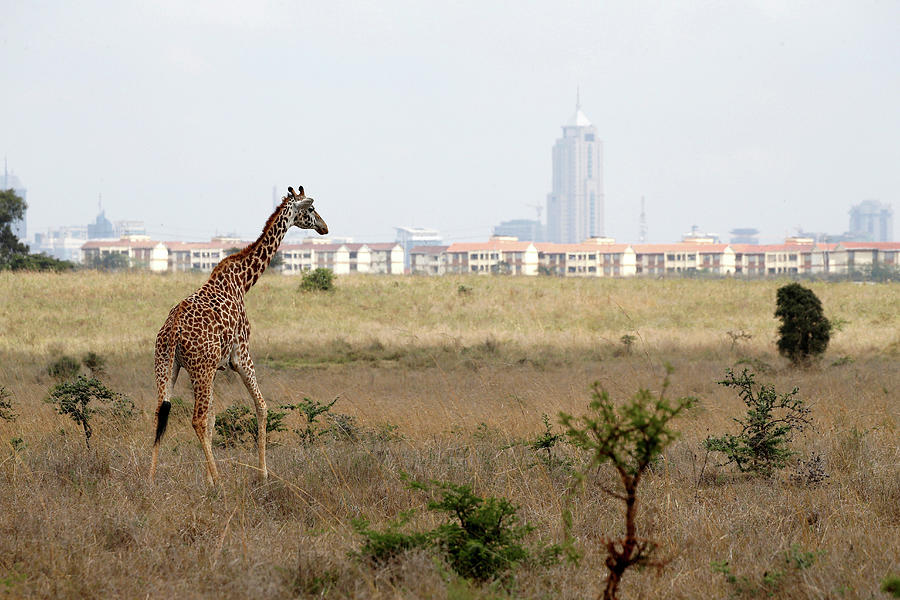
630, 437
63, 368
891, 585
317, 280
73, 398
381, 547
804, 332
481, 538
311, 410
546, 442
766, 430
235, 424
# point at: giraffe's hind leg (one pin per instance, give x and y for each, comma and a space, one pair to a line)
243, 364
203, 419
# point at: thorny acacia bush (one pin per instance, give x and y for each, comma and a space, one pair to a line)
629, 436
481, 538
73, 398
766, 429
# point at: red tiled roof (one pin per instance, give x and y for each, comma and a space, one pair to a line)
427, 249
594, 248
681, 247
872, 245
489, 245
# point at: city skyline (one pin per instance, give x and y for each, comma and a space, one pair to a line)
752, 115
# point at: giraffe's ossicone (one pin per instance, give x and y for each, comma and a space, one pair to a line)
209, 330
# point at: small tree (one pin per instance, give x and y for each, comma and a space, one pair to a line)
629, 437
318, 280
762, 445
74, 397
804, 332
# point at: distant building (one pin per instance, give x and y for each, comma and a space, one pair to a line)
101, 228
11, 182
698, 237
872, 221
63, 243
428, 260
408, 237
125, 228
745, 235
523, 229
575, 206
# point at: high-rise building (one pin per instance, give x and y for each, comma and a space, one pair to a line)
526, 230
408, 237
11, 182
872, 221
575, 206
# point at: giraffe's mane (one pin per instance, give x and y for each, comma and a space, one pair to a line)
238, 256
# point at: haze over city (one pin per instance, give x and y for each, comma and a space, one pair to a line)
761, 114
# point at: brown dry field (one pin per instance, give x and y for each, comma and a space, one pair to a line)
442, 385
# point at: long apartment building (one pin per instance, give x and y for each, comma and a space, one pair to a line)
157, 256
603, 258
597, 257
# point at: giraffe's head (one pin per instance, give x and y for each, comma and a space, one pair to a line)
307, 217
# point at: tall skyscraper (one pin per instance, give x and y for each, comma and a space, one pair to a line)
872, 221
575, 206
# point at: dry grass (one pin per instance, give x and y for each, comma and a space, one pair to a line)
463, 378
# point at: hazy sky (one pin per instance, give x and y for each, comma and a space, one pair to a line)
767, 113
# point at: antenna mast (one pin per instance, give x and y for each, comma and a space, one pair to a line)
642, 234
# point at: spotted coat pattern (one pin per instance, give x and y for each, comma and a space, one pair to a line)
209, 330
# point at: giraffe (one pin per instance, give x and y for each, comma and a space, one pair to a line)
209, 331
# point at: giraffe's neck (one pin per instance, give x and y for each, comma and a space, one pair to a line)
257, 256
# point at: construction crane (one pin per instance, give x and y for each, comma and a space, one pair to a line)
538, 208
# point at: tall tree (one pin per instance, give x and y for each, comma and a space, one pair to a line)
12, 208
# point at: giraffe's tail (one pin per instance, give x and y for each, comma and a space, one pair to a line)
166, 344
162, 419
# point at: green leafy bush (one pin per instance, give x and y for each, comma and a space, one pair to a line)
74, 398
891, 585
311, 410
481, 538
383, 546
235, 425
804, 332
766, 430
545, 443
630, 437
317, 280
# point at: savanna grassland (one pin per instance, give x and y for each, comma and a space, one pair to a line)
442, 379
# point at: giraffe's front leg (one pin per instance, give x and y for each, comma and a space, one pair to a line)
243, 364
